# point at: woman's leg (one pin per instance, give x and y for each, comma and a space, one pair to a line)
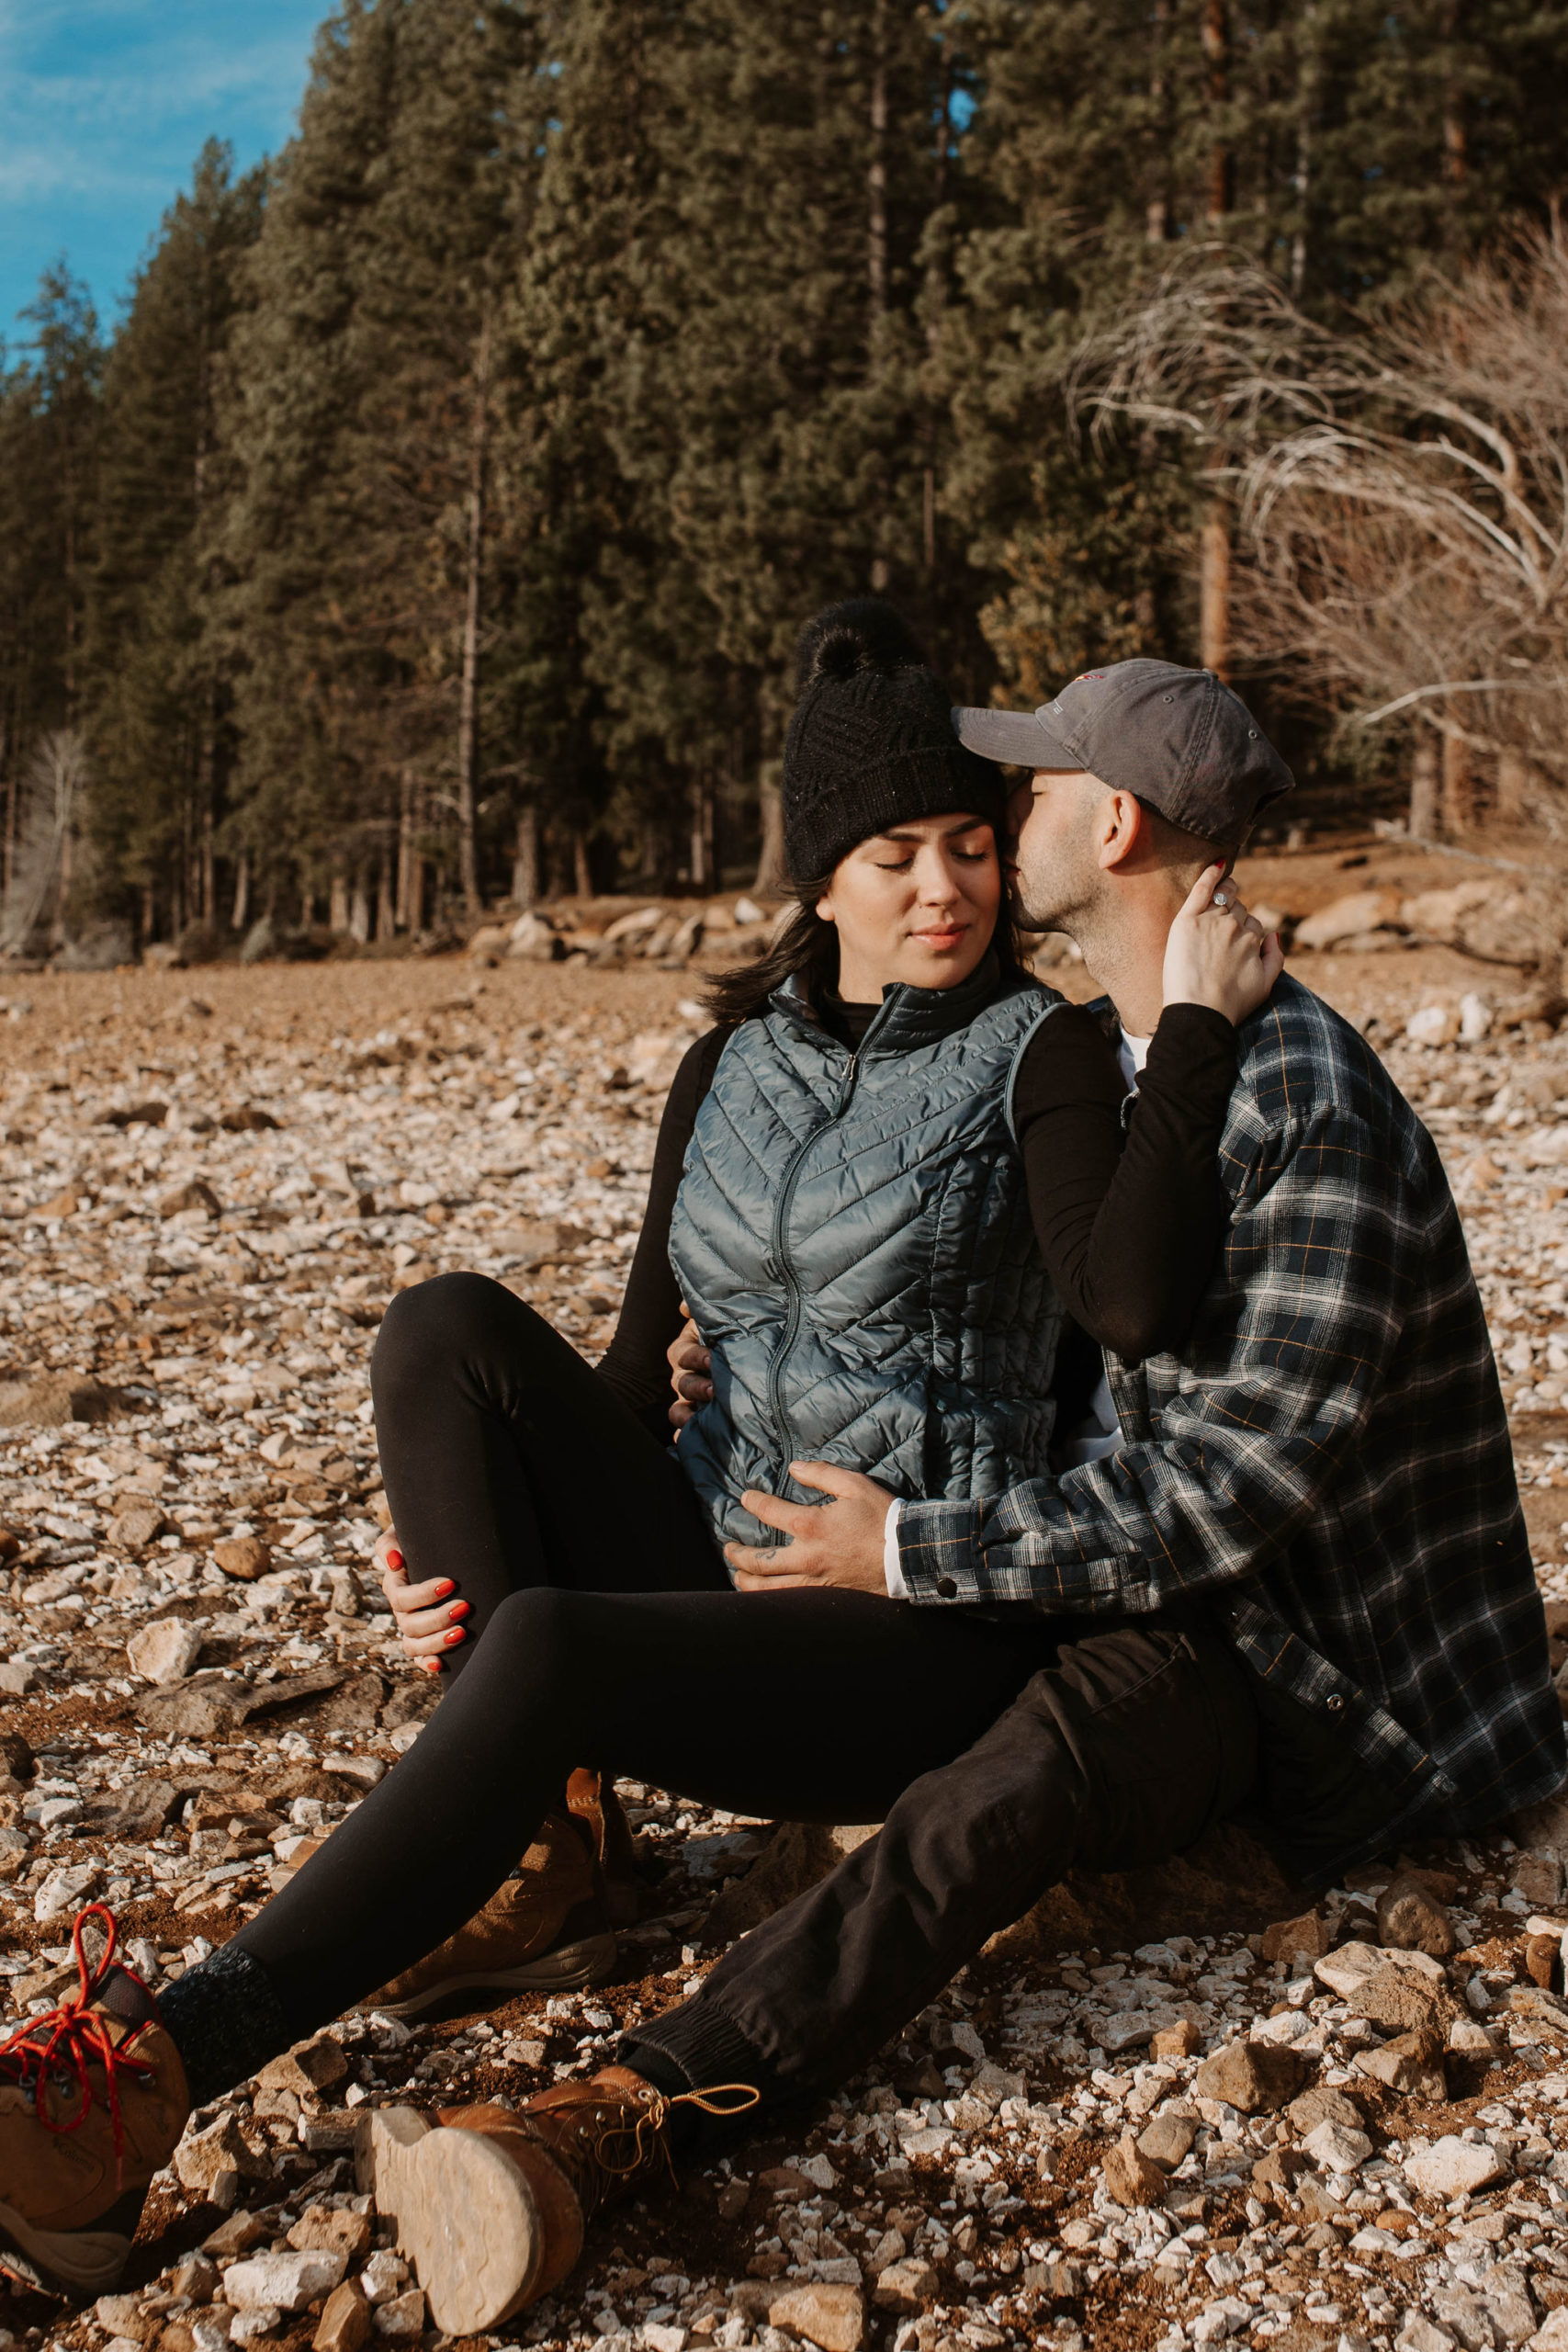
509, 1464
811, 1704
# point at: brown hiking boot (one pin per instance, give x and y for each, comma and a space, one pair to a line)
544, 1930
492, 2209
590, 1798
93, 2101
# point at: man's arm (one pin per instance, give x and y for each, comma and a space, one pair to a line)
1288, 1355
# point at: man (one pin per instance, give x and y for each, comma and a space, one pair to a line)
1294, 1562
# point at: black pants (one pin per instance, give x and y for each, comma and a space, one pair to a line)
998, 1749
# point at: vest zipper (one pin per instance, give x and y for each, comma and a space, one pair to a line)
780, 1259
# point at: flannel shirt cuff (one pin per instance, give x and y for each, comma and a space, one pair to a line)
938, 1551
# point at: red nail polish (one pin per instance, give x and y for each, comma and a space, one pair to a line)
430, 1664
455, 1635
443, 1589
459, 1609
394, 1559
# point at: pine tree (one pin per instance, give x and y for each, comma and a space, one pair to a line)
49, 430
161, 734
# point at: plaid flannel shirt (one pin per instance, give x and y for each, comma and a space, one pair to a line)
1327, 1462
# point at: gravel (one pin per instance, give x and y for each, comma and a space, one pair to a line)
196, 1680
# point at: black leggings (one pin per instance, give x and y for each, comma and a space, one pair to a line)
604, 1630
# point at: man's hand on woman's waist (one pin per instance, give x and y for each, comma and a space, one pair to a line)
839, 1542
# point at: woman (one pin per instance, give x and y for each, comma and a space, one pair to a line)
897, 1156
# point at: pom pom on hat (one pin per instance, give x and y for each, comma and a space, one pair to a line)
863, 633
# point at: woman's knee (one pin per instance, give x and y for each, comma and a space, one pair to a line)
541, 1633
452, 1321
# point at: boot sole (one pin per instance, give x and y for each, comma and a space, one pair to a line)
467, 2219
588, 1961
83, 2264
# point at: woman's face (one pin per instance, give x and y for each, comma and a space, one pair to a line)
918, 904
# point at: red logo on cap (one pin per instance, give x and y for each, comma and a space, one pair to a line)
1088, 678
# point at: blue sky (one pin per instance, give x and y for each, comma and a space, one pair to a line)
104, 107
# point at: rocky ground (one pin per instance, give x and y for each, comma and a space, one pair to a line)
1164, 2109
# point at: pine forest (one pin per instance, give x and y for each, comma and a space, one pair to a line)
433, 527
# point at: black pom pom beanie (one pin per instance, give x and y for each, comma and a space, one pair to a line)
871, 743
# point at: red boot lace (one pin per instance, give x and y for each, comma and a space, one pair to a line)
67, 2041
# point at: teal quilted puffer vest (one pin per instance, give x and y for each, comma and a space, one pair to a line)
852, 1236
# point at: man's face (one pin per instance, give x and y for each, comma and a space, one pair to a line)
1055, 868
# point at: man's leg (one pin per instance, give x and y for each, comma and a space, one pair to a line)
1119, 1754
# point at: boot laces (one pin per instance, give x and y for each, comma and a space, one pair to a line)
622, 2147
65, 2044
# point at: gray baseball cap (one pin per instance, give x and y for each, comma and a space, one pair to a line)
1178, 739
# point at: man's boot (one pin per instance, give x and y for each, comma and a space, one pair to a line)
491, 2208
93, 2101
590, 1798
545, 1929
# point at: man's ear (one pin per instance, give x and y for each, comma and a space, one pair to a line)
1120, 828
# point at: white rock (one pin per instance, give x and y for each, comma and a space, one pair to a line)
1418, 2335
1336, 2149
65, 1889
817, 2170
1552, 2335
288, 2280
1344, 1970
210, 2329
382, 2276
748, 911
164, 1652
403, 2317
1474, 1017
1434, 1024
249, 2327
1455, 2167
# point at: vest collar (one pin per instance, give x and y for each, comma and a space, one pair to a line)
906, 1018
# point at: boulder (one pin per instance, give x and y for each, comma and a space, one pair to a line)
830, 2317
1455, 2167
244, 1558
165, 1651
1412, 2063
1258, 2078
285, 2282
1131, 2176
1361, 911
1287, 1938
1410, 1918
54, 1399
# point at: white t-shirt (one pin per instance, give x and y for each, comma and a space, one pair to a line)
1098, 1433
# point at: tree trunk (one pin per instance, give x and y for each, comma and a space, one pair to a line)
1424, 789
1513, 786
703, 877
1157, 217
526, 857
407, 912
359, 908
337, 911
1458, 786
1306, 100
1216, 38
242, 909
468, 707
1214, 581
581, 872
877, 175
386, 905
771, 860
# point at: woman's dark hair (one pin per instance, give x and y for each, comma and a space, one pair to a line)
808, 946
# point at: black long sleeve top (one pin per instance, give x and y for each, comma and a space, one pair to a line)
1129, 1218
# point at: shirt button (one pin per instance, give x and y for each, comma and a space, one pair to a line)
1335, 1704
946, 1589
